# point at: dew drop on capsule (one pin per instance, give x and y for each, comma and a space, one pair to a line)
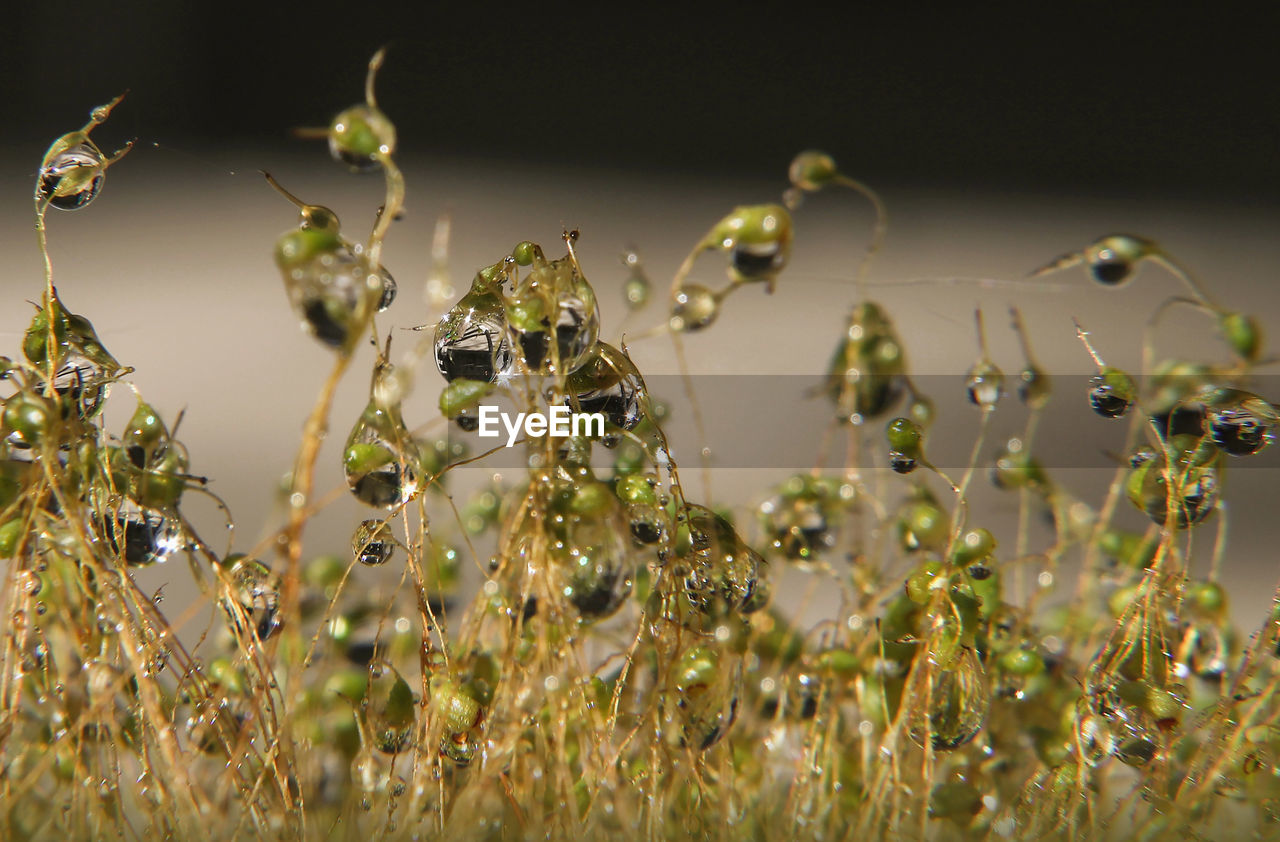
73, 177
957, 706
695, 307
140, 536
373, 543
984, 385
471, 340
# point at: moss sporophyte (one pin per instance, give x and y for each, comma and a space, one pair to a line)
622, 668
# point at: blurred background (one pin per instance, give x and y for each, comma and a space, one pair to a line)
997, 142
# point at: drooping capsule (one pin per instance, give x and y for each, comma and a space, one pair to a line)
608, 382
74, 168
149, 465
1111, 392
373, 544
905, 444
865, 378
761, 239
922, 524
460, 401
83, 368
360, 137
456, 707
1111, 260
694, 307
471, 339
758, 240
1014, 467
1243, 333
381, 459
330, 283
28, 419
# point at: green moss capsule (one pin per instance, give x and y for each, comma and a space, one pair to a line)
1112, 392
74, 168
865, 377
812, 170
1243, 334
905, 439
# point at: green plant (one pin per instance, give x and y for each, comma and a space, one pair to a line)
622, 669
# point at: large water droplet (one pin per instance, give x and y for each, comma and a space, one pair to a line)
471, 340
724, 573
390, 710
381, 459
373, 543
73, 177
332, 291
598, 570
141, 536
608, 382
955, 707
702, 700
257, 591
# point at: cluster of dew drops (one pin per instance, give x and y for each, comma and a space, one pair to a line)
1010, 709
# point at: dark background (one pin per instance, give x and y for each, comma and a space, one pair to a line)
1094, 100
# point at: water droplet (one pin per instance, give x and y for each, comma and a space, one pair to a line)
956, 706
608, 382
333, 290
73, 177
82, 384
1106, 400
598, 571
391, 710
798, 518
724, 573
389, 289
257, 591
141, 536
471, 340
758, 261
577, 325
1241, 423
702, 702
373, 543
984, 384
381, 459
